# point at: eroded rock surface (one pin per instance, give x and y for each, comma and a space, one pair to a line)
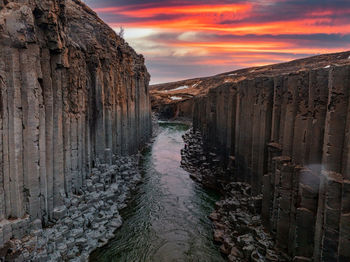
73, 95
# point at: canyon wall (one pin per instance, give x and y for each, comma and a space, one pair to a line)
175, 110
73, 95
288, 136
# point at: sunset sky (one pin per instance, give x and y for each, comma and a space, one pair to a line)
192, 38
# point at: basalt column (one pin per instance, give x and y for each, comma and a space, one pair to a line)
289, 137
73, 95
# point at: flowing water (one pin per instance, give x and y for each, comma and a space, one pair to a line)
167, 219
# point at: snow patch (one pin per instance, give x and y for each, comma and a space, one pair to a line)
233, 74
175, 98
349, 57
179, 88
328, 66
176, 89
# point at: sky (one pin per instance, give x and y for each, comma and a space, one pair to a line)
192, 38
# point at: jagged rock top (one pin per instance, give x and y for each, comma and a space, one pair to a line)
63, 24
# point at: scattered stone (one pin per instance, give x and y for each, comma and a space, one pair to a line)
85, 222
59, 212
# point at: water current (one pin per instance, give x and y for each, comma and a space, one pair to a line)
167, 218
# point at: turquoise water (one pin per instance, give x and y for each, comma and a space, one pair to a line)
167, 219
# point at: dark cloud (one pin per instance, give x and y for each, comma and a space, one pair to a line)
124, 19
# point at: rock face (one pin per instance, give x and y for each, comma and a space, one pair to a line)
73, 94
175, 110
288, 136
172, 103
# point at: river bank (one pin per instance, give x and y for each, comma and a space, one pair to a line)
86, 221
236, 219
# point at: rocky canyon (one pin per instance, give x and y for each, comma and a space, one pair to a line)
76, 124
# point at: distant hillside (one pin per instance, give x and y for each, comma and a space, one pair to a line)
171, 94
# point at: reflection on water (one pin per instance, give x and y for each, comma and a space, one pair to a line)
167, 219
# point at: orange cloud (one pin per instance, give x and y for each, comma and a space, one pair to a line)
240, 34
225, 48
196, 10
208, 24
213, 18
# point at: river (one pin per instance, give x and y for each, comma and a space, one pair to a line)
167, 218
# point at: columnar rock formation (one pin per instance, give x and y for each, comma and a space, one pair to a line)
175, 110
288, 136
73, 94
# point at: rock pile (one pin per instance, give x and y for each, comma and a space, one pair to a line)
237, 221
86, 221
238, 227
203, 168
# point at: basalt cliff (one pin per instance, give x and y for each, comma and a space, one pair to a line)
73, 100
283, 131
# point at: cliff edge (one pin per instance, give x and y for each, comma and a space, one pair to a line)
73, 96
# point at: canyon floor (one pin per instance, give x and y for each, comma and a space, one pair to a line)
188, 208
167, 218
